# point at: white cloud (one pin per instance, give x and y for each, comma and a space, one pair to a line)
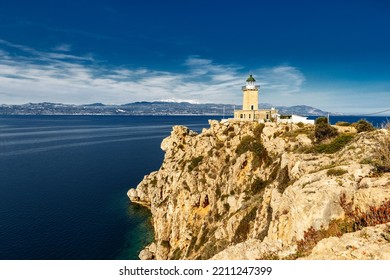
36, 76
66, 78
281, 80
63, 48
3, 54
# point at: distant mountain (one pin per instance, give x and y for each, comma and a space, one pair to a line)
95, 104
146, 108
302, 110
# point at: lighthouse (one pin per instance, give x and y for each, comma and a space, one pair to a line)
250, 95
250, 104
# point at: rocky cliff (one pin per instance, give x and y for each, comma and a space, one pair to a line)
268, 191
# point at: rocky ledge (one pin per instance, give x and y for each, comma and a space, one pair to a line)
268, 191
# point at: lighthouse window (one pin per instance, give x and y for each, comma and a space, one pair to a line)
241, 116
251, 107
249, 115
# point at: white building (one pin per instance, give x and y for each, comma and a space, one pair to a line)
293, 119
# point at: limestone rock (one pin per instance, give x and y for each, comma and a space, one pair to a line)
145, 254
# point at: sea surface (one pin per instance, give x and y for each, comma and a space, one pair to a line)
64, 179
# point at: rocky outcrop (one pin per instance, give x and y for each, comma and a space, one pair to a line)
254, 191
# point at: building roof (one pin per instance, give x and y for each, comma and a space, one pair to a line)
250, 79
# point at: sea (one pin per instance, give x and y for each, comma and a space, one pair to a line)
64, 179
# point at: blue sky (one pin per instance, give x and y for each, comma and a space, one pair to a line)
333, 55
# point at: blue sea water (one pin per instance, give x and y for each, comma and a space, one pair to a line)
63, 184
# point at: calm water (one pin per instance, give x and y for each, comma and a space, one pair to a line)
63, 184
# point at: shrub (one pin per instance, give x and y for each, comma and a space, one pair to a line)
375, 215
324, 131
382, 155
336, 172
258, 130
321, 120
300, 124
260, 155
386, 125
195, 162
336, 145
258, 149
367, 161
343, 124
363, 126
245, 145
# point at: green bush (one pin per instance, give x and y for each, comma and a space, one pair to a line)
245, 145
363, 126
336, 172
343, 124
336, 145
258, 130
248, 143
321, 120
259, 150
324, 131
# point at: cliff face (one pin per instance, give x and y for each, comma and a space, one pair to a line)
253, 191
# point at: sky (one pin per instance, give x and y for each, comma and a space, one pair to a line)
332, 55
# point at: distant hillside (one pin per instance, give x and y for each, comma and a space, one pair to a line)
145, 108
302, 110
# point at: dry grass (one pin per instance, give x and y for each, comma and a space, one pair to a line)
383, 154
359, 219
